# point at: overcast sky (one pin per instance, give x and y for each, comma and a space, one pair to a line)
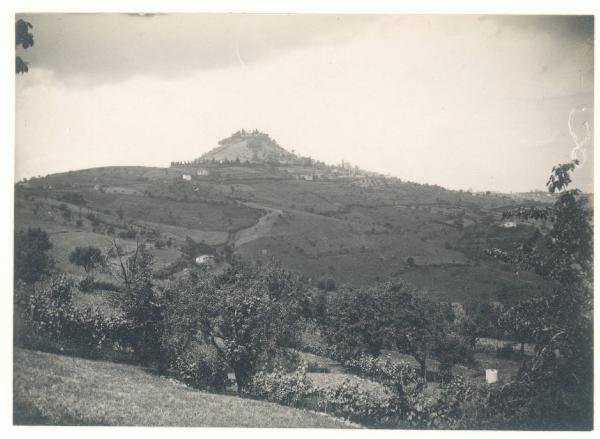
461, 101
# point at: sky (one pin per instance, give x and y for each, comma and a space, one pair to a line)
465, 102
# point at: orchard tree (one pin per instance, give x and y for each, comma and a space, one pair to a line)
521, 321
392, 316
141, 303
249, 314
89, 258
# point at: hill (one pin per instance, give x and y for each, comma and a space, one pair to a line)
248, 147
340, 224
52, 389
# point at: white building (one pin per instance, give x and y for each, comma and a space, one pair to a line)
202, 172
205, 260
187, 177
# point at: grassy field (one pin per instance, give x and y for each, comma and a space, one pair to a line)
58, 390
354, 232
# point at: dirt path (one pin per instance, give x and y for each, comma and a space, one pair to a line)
260, 229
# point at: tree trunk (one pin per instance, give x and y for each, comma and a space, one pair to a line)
522, 349
241, 370
423, 366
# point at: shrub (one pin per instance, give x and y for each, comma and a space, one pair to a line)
398, 376
371, 408
86, 284
46, 319
326, 284
277, 386
88, 257
202, 368
507, 352
31, 255
73, 198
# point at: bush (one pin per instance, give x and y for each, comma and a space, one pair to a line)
277, 386
73, 198
46, 319
202, 368
88, 257
507, 352
398, 376
326, 284
86, 284
371, 408
31, 255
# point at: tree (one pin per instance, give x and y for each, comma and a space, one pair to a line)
87, 257
249, 314
191, 249
120, 213
520, 322
393, 316
32, 260
450, 350
24, 39
141, 304
560, 373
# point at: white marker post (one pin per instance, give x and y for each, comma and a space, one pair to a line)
491, 376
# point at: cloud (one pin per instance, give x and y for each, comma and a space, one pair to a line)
433, 99
93, 48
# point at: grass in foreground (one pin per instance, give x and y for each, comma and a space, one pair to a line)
59, 390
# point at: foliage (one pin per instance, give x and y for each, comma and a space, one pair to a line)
142, 305
390, 315
88, 257
86, 284
560, 324
280, 387
372, 408
327, 284
191, 248
46, 319
482, 320
399, 376
23, 38
73, 198
450, 350
248, 313
31, 255
203, 368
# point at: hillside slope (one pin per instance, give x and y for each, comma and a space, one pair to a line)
352, 228
51, 389
248, 147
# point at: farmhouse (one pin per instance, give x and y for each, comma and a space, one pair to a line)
205, 260
186, 177
202, 171
508, 225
